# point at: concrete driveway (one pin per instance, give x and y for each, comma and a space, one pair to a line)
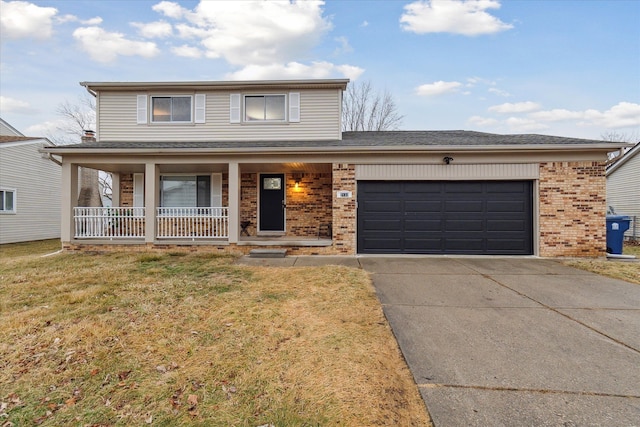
514, 341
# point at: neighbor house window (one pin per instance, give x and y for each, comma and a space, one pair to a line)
171, 108
264, 108
191, 190
7, 201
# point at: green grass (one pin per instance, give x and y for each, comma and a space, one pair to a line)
187, 339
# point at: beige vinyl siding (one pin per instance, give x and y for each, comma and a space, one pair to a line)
319, 119
501, 171
37, 182
623, 191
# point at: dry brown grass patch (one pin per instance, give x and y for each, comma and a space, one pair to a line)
181, 339
618, 269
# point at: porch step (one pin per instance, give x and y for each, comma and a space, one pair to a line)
268, 253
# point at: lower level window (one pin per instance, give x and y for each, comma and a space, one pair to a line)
182, 191
7, 201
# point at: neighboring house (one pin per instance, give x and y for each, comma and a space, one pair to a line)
623, 188
234, 166
29, 190
7, 130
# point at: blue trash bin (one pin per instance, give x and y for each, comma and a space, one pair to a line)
616, 226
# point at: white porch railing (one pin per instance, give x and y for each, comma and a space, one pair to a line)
193, 223
92, 223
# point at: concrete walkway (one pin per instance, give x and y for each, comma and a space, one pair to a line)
511, 341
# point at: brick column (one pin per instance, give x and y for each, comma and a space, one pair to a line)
572, 209
344, 209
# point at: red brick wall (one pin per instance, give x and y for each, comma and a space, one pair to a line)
126, 190
344, 209
572, 209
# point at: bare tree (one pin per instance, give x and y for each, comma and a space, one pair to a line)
615, 136
76, 118
364, 109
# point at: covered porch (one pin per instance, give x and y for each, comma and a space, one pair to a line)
182, 202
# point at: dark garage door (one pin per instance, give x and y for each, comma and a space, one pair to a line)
445, 217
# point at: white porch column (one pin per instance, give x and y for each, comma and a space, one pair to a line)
69, 200
234, 202
115, 189
151, 202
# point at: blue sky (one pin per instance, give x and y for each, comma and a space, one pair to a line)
569, 68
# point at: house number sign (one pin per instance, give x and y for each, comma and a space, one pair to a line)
342, 194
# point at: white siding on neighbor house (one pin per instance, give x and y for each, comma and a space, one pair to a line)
623, 191
37, 181
319, 119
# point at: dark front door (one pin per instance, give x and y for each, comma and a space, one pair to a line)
445, 217
272, 202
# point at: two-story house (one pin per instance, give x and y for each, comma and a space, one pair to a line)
234, 166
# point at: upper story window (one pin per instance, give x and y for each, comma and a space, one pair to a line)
264, 107
7, 201
170, 108
284, 108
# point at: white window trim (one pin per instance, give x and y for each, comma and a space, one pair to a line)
15, 201
286, 108
216, 177
170, 122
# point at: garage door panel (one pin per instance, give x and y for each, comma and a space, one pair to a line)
445, 217
506, 187
420, 206
466, 245
417, 245
462, 187
383, 225
453, 225
381, 206
422, 225
517, 206
464, 206
505, 225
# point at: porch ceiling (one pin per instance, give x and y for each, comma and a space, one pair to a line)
194, 168
286, 167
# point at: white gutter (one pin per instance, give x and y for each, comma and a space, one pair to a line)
605, 147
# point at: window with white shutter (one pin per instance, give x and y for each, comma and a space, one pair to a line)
294, 107
142, 109
234, 108
138, 190
200, 113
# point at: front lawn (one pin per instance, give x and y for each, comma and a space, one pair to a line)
188, 339
618, 269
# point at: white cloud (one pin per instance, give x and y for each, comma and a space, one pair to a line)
187, 51
468, 17
344, 47
72, 18
364, 24
105, 47
482, 121
556, 115
12, 105
20, 19
296, 70
518, 107
437, 88
251, 32
499, 92
623, 114
170, 9
519, 124
153, 30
